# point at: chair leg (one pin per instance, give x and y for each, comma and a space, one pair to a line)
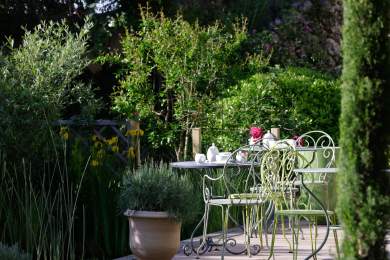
315, 236
204, 234
259, 221
225, 219
292, 223
295, 237
271, 254
336, 240
290, 250
311, 235
248, 228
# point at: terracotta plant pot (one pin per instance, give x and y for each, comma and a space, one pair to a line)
153, 235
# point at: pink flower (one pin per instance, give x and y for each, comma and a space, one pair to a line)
256, 132
298, 140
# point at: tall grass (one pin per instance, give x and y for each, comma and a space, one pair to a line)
39, 213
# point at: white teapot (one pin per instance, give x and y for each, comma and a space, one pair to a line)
212, 153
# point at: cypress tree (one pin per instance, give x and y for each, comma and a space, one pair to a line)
363, 189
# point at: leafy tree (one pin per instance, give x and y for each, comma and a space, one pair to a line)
38, 81
171, 68
364, 200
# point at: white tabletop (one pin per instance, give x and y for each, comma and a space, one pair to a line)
258, 148
325, 170
316, 170
195, 165
208, 165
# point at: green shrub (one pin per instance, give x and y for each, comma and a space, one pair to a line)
171, 69
12, 253
38, 80
157, 188
98, 199
295, 99
364, 195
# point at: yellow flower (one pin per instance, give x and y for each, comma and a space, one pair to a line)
94, 163
64, 132
97, 144
136, 132
130, 152
100, 154
130, 133
113, 140
115, 148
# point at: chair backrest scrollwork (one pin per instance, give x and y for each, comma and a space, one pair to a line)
277, 173
320, 146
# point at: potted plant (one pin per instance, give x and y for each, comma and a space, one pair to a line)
156, 201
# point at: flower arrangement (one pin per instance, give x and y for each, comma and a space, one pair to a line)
299, 141
256, 134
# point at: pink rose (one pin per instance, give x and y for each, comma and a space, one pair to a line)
256, 132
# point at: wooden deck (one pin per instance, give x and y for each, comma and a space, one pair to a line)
328, 252
281, 247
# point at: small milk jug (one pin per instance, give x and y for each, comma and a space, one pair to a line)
212, 153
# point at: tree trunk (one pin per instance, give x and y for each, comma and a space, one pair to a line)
364, 196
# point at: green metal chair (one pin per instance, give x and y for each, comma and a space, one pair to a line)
317, 150
237, 178
285, 191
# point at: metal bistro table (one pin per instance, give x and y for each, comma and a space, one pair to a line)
206, 166
198, 166
303, 171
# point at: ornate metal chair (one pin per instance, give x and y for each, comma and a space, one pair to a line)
317, 150
236, 180
291, 197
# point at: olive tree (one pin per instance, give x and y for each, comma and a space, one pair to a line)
38, 80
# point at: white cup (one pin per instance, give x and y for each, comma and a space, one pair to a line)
200, 158
242, 157
291, 142
271, 143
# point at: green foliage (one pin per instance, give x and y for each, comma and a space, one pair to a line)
308, 33
157, 188
171, 69
364, 201
38, 81
105, 233
38, 214
295, 99
12, 253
